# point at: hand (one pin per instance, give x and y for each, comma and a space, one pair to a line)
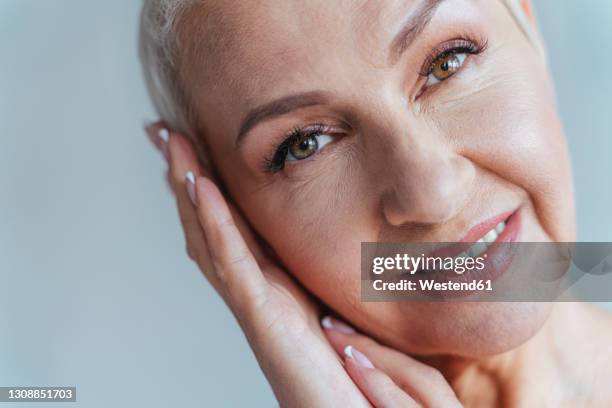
278, 318
388, 378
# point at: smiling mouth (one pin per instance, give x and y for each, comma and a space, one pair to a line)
491, 241
486, 241
482, 237
483, 240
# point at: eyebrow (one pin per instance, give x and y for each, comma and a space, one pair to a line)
411, 29
280, 107
414, 26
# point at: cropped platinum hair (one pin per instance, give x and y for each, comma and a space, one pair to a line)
158, 45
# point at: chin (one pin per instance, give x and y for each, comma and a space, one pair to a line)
471, 330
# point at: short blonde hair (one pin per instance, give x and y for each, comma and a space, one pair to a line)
158, 45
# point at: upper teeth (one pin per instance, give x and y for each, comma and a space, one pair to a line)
480, 246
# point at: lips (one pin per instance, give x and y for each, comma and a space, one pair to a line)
483, 240
487, 240
485, 234
479, 231
478, 239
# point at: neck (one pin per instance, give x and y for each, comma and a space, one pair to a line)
548, 364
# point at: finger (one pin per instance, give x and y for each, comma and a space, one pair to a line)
158, 135
423, 382
231, 258
377, 386
181, 160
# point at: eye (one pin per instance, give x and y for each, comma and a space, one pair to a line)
445, 67
300, 144
306, 145
448, 58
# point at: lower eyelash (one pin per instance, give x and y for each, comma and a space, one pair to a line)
276, 162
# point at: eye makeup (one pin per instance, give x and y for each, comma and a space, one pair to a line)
460, 45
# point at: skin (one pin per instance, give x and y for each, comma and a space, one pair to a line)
407, 164
421, 170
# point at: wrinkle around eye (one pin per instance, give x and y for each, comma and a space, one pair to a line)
483, 88
337, 162
456, 89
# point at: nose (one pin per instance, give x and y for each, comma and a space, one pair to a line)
427, 184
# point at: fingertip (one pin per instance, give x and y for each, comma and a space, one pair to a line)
331, 323
357, 356
326, 322
152, 126
164, 135
182, 158
190, 185
158, 136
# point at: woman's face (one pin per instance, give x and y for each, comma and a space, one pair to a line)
333, 123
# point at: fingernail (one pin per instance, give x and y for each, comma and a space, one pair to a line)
190, 178
330, 323
164, 136
358, 357
159, 139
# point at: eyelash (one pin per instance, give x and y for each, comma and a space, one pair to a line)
460, 45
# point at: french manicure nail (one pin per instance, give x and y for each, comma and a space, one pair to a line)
357, 356
190, 178
164, 136
159, 138
330, 323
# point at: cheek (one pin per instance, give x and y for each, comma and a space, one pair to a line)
316, 226
519, 138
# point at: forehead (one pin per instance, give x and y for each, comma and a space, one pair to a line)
248, 44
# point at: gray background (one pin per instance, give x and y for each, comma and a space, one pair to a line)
96, 289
